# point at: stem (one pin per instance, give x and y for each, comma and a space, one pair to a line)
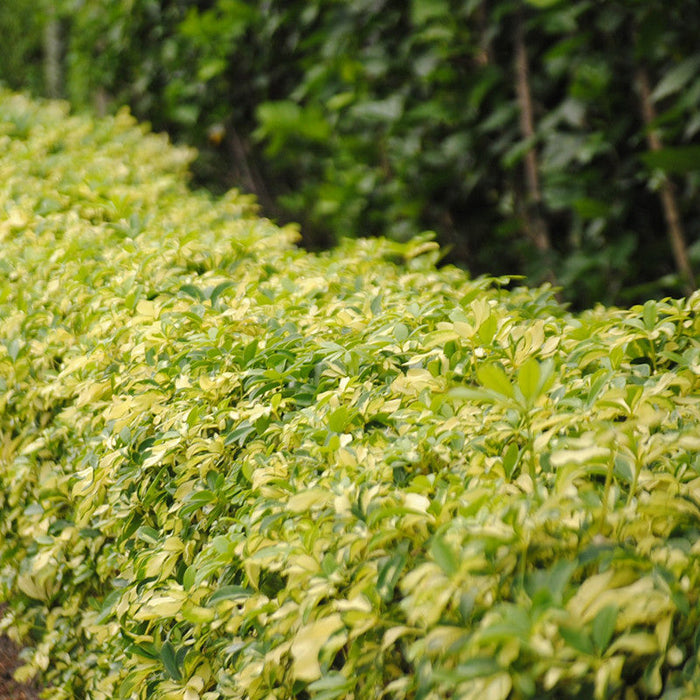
635, 478
523, 562
667, 193
532, 458
606, 490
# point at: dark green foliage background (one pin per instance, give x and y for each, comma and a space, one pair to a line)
384, 117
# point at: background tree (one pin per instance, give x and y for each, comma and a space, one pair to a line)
548, 138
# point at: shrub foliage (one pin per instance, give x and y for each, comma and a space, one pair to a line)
233, 469
560, 140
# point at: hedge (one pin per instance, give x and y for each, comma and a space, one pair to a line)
230, 468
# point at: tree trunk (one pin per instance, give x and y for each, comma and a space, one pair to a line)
247, 173
485, 56
53, 55
674, 227
536, 227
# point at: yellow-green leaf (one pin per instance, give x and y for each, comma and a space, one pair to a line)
307, 645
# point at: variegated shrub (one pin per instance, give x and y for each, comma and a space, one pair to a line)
233, 469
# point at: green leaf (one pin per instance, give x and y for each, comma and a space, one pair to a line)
239, 434
307, 644
339, 420
511, 460
148, 534
389, 574
650, 315
401, 332
330, 686
196, 614
529, 379
211, 69
193, 291
487, 329
169, 659
387, 110
108, 605
423, 11
480, 667
493, 377
676, 78
604, 627
230, 593
674, 160
558, 577
444, 555
13, 348
189, 577
219, 290
281, 120
577, 639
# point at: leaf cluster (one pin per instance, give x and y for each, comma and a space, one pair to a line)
230, 468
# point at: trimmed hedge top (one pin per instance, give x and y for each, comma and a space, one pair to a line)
233, 469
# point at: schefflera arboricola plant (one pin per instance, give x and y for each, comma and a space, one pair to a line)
230, 468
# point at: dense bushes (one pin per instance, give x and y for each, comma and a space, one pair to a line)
230, 468
555, 139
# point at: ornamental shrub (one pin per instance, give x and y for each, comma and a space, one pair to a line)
230, 468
